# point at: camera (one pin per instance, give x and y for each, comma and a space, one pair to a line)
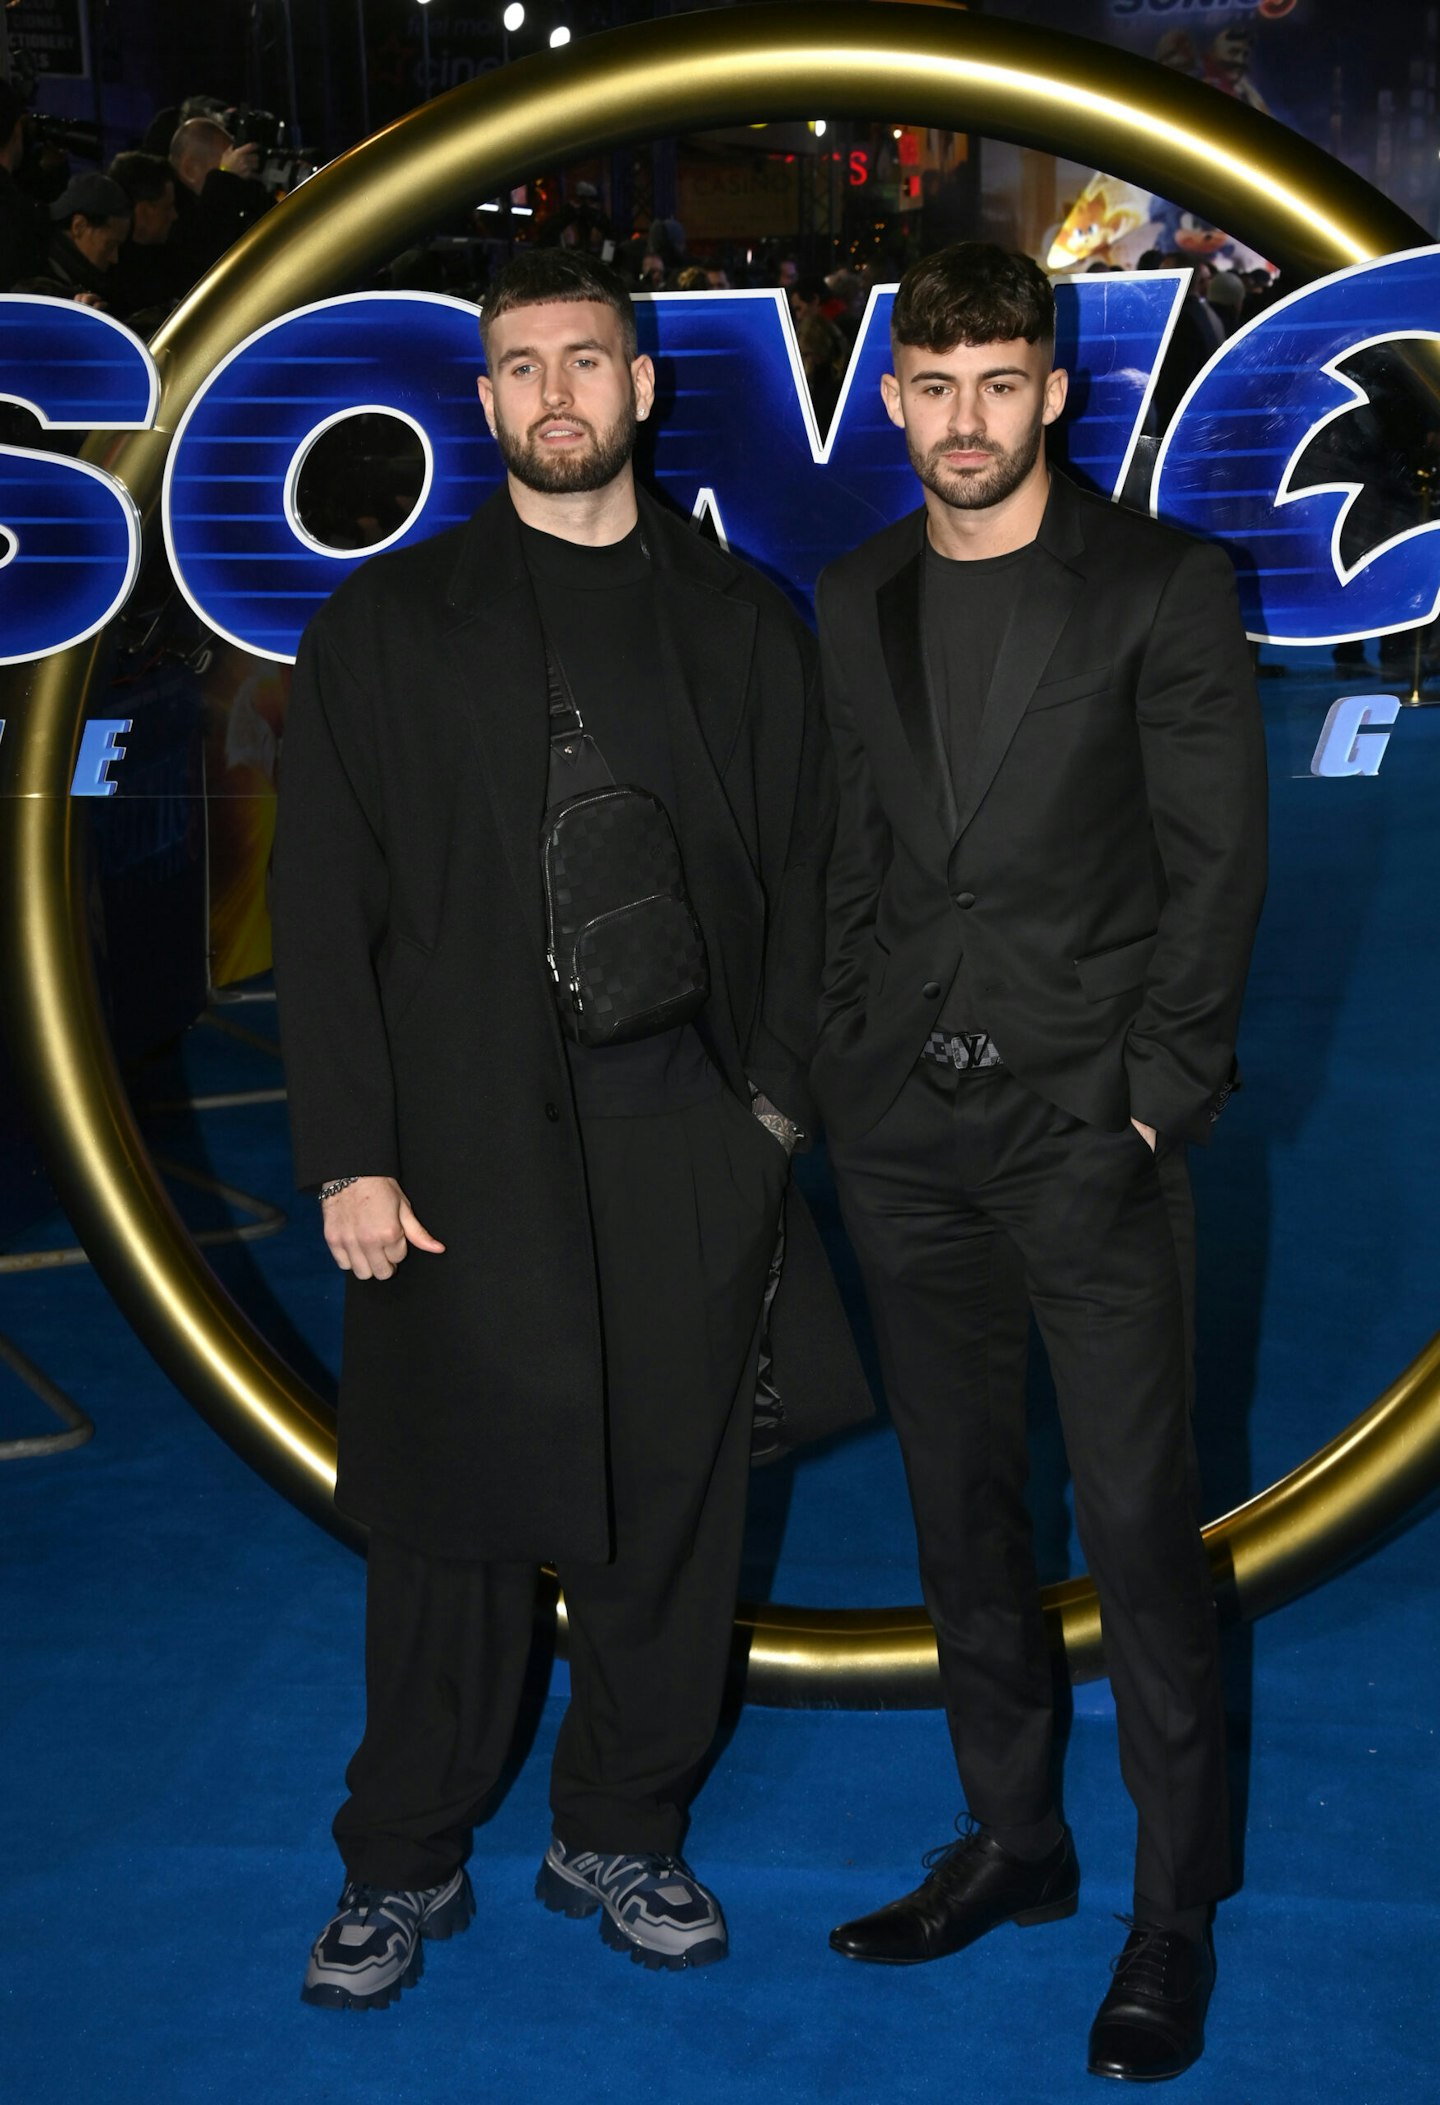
65, 135
250, 127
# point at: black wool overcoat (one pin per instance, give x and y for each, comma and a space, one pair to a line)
419, 1024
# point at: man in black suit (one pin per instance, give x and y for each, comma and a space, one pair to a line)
1047, 872
557, 1253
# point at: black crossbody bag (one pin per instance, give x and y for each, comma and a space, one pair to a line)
625, 949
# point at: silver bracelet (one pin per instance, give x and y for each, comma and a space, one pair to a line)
773, 1119
784, 1129
336, 1184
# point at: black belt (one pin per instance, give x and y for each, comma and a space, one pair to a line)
964, 1050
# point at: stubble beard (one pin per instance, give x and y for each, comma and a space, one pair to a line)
572, 470
976, 489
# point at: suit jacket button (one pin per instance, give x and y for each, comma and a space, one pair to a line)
552, 1112
931, 990
965, 899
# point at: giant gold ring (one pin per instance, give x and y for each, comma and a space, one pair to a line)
683, 74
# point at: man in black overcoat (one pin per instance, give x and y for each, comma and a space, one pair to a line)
557, 1253
1048, 866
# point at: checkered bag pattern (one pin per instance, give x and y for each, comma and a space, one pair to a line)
627, 952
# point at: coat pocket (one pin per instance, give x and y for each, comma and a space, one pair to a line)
1117, 970
1075, 687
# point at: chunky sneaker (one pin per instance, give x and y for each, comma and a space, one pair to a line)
371, 1947
653, 1906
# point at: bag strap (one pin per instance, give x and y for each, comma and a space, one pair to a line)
576, 762
565, 718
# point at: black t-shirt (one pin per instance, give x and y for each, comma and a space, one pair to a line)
598, 607
969, 606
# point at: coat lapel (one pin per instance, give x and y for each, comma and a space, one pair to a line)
1035, 628
900, 611
707, 649
497, 653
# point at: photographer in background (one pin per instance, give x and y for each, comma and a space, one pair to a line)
89, 223
151, 275
218, 193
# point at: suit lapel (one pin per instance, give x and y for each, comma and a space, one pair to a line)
497, 655
1052, 589
900, 610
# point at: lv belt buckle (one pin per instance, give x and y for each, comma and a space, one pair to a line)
963, 1050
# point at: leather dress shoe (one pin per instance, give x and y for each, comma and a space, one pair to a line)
1151, 2025
973, 1886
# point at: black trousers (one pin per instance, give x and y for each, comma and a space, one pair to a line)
685, 1208
970, 1195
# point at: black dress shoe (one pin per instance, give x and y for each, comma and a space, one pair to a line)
1151, 2025
974, 1885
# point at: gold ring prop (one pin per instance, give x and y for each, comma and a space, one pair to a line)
684, 74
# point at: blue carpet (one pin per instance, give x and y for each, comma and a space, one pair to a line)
183, 1652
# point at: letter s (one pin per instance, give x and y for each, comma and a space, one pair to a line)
71, 533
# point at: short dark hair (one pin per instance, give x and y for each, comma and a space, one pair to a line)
144, 177
545, 277
973, 293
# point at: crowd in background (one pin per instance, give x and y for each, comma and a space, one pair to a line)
133, 239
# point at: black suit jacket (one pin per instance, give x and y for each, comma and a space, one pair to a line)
1103, 876
419, 1021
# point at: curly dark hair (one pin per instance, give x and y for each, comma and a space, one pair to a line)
973, 293
543, 277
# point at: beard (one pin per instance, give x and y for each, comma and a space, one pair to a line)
975, 489
575, 469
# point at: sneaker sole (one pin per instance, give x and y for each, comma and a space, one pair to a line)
456, 1915
567, 1896
619, 1939
564, 1895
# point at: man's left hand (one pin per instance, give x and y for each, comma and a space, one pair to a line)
1147, 1133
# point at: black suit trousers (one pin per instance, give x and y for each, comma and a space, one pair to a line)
685, 1207
970, 1194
